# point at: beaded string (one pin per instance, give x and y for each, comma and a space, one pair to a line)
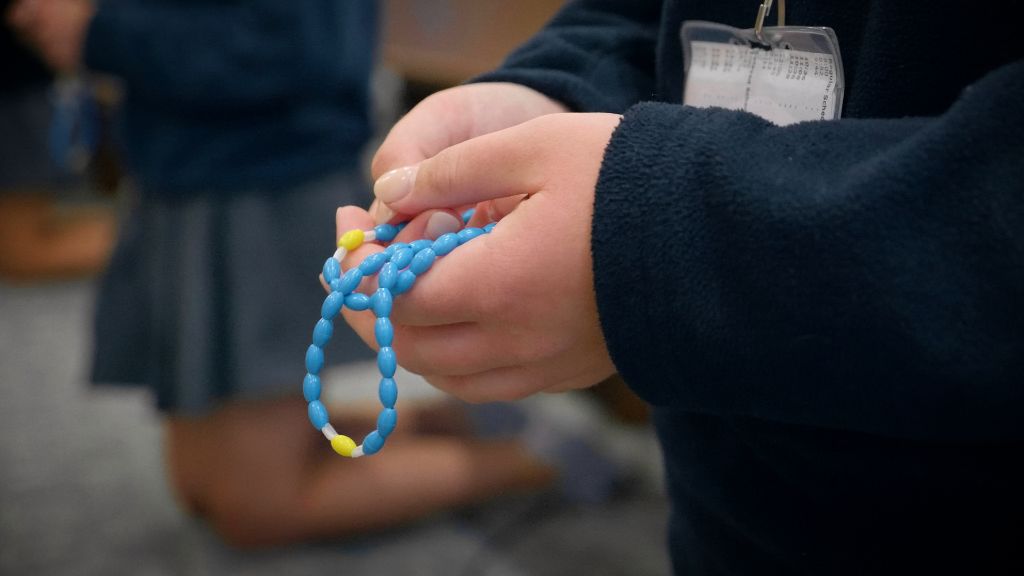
397, 268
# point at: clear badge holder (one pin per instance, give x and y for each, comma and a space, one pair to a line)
785, 74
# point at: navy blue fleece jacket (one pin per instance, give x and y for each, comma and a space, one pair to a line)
228, 95
828, 317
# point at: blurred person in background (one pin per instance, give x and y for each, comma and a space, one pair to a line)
242, 128
39, 236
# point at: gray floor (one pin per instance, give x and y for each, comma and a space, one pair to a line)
82, 490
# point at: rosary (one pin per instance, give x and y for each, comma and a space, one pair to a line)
397, 268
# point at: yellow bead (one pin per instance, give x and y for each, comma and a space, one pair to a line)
351, 240
343, 445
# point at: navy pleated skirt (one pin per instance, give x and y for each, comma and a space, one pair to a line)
214, 297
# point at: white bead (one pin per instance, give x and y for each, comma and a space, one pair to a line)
357, 451
339, 254
329, 432
369, 235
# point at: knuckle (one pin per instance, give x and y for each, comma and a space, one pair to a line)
439, 174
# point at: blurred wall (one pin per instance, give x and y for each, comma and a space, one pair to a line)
444, 42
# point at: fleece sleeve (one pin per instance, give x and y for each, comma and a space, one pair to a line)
856, 274
229, 54
595, 55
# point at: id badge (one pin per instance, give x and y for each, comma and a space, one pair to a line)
784, 74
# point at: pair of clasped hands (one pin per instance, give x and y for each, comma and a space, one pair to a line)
513, 312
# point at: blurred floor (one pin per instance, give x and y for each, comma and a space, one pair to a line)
82, 488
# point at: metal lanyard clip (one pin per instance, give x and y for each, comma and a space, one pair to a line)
764, 10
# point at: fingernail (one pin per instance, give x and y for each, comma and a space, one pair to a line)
380, 212
396, 184
441, 223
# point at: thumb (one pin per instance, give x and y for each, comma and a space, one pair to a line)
495, 165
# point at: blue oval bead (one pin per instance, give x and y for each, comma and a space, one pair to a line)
402, 258
332, 270
311, 387
372, 263
445, 244
390, 250
388, 392
332, 305
386, 361
322, 332
357, 301
381, 302
467, 234
468, 214
385, 232
350, 281
388, 275
372, 443
421, 244
423, 261
336, 285
401, 226
490, 226
314, 359
386, 421
384, 332
404, 282
317, 414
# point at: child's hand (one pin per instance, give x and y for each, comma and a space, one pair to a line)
512, 312
453, 116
